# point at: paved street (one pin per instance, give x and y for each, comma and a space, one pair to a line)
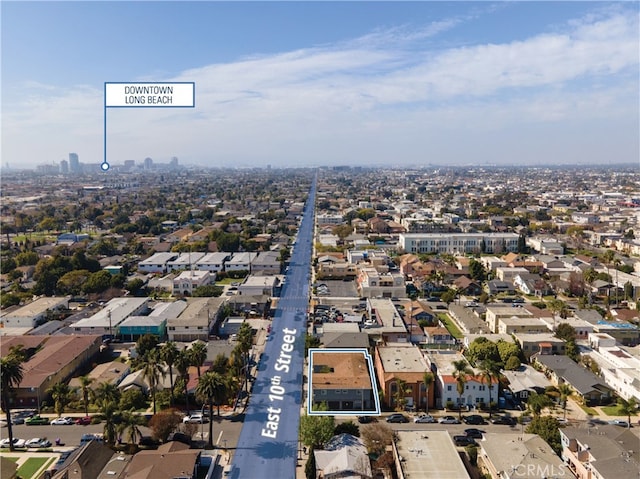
268, 443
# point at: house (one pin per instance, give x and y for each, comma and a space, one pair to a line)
170, 461
267, 262
467, 286
89, 461
496, 287
341, 379
213, 262
155, 323
611, 452
112, 372
34, 313
260, 285
240, 262
539, 343
196, 320
107, 320
156, 263
561, 369
476, 391
526, 380
512, 455
185, 261
397, 362
427, 454
188, 281
372, 284
438, 335
50, 359
343, 455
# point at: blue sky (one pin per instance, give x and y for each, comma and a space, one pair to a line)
317, 83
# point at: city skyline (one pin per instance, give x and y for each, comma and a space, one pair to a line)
311, 84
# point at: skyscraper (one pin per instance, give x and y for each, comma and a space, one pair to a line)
74, 163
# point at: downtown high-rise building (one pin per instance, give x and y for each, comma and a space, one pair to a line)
74, 163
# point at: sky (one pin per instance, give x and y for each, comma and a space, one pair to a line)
297, 83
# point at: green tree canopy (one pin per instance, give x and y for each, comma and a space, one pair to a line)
482, 349
547, 428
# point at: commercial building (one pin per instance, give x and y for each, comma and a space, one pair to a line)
107, 320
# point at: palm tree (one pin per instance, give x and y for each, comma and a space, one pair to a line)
428, 378
460, 372
130, 423
399, 396
198, 355
182, 362
565, 392
208, 386
489, 370
109, 412
106, 393
169, 353
152, 371
628, 407
85, 382
61, 394
11, 373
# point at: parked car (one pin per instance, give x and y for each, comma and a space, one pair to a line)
474, 433
424, 418
507, 420
38, 442
366, 419
473, 419
37, 421
195, 419
397, 418
463, 441
83, 421
449, 420
17, 442
62, 421
619, 422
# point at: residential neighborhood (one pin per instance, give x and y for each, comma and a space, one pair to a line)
451, 295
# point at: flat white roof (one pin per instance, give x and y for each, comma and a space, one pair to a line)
119, 308
429, 453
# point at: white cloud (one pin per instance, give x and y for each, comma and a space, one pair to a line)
382, 94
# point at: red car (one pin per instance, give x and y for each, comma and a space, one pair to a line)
83, 421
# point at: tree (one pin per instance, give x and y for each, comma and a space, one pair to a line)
97, 282
460, 372
106, 393
152, 371
169, 353
209, 385
164, 423
348, 427
61, 394
537, 402
399, 397
627, 407
476, 270
566, 332
11, 374
130, 423
565, 392
198, 355
183, 361
489, 370
547, 428
513, 363
146, 343
376, 437
134, 285
482, 349
316, 430
85, 382
132, 399
448, 296
507, 349
427, 379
